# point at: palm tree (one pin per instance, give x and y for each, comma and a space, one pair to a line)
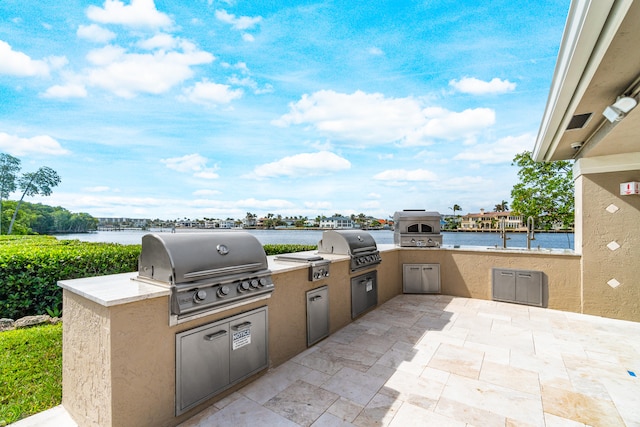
502, 207
455, 208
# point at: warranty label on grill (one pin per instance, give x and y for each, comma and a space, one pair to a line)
241, 338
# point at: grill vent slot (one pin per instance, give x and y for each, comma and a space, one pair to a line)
578, 121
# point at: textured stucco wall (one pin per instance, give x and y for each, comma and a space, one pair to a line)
468, 273
86, 364
617, 226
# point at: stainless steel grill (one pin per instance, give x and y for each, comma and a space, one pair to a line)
417, 228
205, 271
358, 244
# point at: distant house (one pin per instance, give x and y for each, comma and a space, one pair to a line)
336, 222
491, 221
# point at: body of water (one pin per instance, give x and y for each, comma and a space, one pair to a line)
311, 237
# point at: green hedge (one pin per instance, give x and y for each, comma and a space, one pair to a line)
31, 266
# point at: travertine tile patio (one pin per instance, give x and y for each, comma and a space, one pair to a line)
435, 360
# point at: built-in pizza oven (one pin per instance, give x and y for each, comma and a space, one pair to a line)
205, 271
417, 228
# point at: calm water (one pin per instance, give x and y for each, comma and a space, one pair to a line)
311, 237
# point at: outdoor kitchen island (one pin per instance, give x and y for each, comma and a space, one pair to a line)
119, 348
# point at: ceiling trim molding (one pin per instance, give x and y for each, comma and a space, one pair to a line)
604, 164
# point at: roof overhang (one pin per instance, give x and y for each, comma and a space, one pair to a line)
598, 61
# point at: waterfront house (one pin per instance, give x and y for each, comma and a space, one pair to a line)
336, 222
491, 221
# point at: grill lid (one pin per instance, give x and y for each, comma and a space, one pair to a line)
346, 242
189, 257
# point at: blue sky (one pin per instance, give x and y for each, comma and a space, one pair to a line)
214, 109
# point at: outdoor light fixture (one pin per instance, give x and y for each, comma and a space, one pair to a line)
620, 108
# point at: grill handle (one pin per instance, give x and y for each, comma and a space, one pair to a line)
245, 325
215, 335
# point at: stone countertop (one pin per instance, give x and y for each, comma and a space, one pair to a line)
114, 289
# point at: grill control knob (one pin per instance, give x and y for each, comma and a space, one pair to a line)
244, 286
223, 290
200, 296
263, 282
254, 283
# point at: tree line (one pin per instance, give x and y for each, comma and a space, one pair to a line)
36, 218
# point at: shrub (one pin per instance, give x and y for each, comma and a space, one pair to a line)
287, 248
31, 266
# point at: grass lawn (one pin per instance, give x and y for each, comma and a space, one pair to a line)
30, 371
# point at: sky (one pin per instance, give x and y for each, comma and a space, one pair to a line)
215, 109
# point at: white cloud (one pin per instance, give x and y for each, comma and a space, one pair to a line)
206, 92
41, 144
239, 23
95, 33
503, 150
441, 123
248, 37
478, 87
127, 74
305, 164
375, 119
70, 90
19, 64
159, 41
138, 14
192, 163
375, 51
250, 83
397, 175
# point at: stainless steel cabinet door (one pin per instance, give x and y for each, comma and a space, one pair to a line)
248, 342
504, 285
430, 278
411, 278
421, 278
364, 293
317, 315
202, 364
529, 287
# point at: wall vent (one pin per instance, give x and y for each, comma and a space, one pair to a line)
578, 121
